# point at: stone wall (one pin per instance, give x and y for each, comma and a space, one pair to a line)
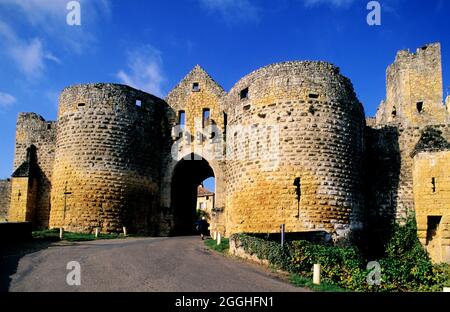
32, 129
319, 126
432, 202
106, 171
414, 78
5, 197
193, 100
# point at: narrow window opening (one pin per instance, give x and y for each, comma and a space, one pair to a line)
432, 227
313, 96
433, 184
195, 87
81, 104
181, 122
205, 117
225, 123
138, 103
298, 192
394, 112
419, 106
181, 118
244, 94
49, 126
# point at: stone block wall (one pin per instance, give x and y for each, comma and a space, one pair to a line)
414, 78
320, 125
32, 129
106, 171
432, 202
24, 200
195, 93
5, 197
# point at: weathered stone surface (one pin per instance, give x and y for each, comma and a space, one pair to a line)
287, 131
5, 197
106, 171
320, 141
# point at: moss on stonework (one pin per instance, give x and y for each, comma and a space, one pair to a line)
431, 140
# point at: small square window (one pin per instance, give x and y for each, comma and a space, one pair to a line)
138, 103
244, 94
195, 87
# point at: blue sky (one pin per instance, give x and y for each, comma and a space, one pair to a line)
151, 45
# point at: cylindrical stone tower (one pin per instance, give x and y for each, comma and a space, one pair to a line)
106, 170
294, 151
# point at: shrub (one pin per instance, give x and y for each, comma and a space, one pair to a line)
405, 265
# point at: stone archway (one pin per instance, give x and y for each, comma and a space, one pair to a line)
188, 173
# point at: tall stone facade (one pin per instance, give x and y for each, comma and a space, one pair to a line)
106, 168
288, 144
311, 115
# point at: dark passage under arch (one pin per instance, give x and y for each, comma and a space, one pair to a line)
187, 175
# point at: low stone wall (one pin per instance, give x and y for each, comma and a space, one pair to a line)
237, 250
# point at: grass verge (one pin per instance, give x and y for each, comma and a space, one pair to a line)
301, 281
53, 234
222, 248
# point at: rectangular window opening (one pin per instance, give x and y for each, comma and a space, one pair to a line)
419, 106
225, 122
433, 184
432, 227
205, 117
181, 122
244, 94
313, 96
138, 103
195, 87
181, 118
81, 104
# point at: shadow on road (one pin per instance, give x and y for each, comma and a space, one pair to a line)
10, 255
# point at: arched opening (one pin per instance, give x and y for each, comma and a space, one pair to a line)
188, 174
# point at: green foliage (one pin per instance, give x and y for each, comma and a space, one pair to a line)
201, 213
431, 140
223, 247
266, 249
301, 281
341, 265
53, 234
405, 265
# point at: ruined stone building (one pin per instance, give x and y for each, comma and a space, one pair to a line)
288, 144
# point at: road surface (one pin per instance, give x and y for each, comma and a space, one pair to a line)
140, 264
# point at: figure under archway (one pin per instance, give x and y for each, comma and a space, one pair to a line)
187, 176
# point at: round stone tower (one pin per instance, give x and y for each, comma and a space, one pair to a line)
107, 158
294, 151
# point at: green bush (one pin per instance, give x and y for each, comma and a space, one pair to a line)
405, 265
340, 265
266, 249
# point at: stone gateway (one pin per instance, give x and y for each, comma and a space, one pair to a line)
288, 144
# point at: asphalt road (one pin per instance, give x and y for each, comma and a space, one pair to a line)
141, 264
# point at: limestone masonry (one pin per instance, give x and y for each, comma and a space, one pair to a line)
288, 144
